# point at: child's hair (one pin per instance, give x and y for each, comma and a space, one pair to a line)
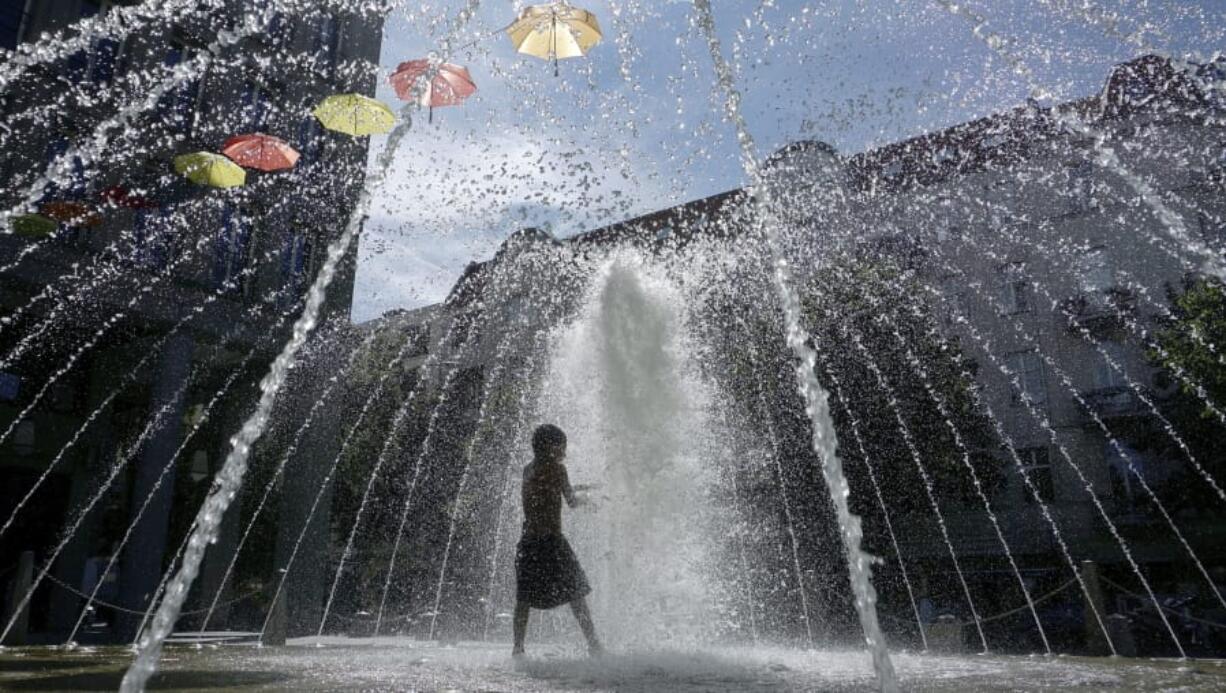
545, 437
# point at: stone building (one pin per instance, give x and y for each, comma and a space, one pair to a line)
1049, 273
1053, 277
162, 302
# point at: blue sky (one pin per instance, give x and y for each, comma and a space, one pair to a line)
637, 125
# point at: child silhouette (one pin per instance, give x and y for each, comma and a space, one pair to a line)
547, 574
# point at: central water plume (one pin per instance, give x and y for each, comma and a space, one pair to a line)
623, 387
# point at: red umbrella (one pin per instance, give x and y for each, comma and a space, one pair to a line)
122, 197
451, 83
261, 152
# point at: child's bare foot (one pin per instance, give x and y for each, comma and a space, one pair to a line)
517, 652
595, 650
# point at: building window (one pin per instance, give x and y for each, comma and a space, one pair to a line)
1121, 463
1218, 168
1212, 231
255, 106
948, 232
418, 339
1096, 275
98, 63
152, 239
310, 138
992, 141
230, 249
1106, 377
12, 22
24, 438
1081, 186
1028, 368
1036, 465
295, 261
10, 386
64, 397
1014, 289
78, 63
78, 182
956, 307
327, 42
106, 58
279, 30
180, 105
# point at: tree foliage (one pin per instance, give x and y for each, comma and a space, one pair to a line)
1189, 344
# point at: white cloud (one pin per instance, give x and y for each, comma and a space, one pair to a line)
638, 124
451, 198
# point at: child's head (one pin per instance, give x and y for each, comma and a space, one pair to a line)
549, 443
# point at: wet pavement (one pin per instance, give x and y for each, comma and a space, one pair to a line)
398, 664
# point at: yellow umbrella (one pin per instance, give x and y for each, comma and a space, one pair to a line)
34, 225
553, 31
207, 168
354, 114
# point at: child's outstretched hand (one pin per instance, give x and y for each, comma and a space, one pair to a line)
587, 500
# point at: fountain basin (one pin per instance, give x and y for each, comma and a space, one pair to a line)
393, 663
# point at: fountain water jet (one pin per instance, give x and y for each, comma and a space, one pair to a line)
231, 475
939, 401
622, 387
779, 239
824, 439
398, 423
282, 463
1015, 457
909, 440
1112, 440
1046, 425
764, 407
196, 426
836, 389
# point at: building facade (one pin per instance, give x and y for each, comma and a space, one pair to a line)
1048, 240
140, 324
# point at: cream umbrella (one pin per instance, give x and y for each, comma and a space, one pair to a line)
555, 30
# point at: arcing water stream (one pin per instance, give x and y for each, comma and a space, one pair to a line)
824, 439
720, 510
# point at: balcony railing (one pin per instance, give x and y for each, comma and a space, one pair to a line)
1100, 312
1115, 401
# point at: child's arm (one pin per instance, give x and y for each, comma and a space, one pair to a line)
568, 492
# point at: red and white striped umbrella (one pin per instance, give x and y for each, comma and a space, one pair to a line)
450, 85
261, 152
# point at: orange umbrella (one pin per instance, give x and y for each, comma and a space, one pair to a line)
261, 152
450, 85
71, 213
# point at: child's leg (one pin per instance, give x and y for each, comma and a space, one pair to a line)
584, 616
519, 627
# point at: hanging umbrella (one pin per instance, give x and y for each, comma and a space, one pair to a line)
553, 31
207, 168
34, 225
122, 197
354, 114
261, 152
71, 213
450, 85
